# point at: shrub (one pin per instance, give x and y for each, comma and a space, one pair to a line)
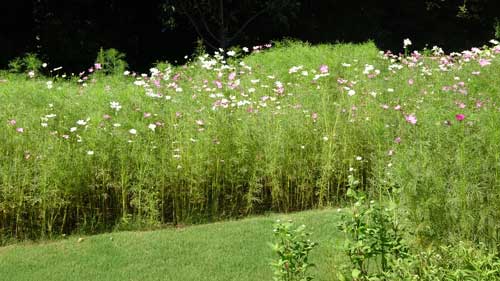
377, 250
292, 247
29, 62
112, 61
374, 238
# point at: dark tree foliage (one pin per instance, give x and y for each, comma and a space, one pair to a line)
220, 23
69, 33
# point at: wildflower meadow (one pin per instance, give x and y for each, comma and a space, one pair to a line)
274, 128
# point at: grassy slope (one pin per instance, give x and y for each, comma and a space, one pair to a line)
236, 250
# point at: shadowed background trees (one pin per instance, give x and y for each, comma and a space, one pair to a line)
69, 33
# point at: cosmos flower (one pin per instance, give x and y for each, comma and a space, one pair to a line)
81, 122
323, 69
484, 62
412, 119
406, 43
115, 105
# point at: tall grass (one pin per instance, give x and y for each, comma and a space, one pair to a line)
221, 137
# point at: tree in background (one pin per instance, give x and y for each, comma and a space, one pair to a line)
220, 23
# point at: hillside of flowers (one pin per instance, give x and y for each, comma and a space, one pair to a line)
247, 131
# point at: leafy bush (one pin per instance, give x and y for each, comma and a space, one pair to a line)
293, 247
377, 250
29, 62
463, 261
112, 61
374, 238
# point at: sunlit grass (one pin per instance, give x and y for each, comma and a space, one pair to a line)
237, 250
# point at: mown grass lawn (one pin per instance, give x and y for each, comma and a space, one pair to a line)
234, 250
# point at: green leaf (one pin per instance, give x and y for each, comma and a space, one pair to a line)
355, 273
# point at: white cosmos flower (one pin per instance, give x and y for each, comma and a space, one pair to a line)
231, 53
72, 129
132, 131
406, 42
152, 127
90, 152
139, 83
115, 105
81, 122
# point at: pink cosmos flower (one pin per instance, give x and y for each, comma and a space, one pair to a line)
12, 122
397, 140
341, 81
178, 114
232, 75
412, 119
106, 117
97, 66
460, 117
323, 69
461, 105
397, 107
147, 114
20, 130
484, 62
411, 82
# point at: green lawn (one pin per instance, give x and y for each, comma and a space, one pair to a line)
234, 250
